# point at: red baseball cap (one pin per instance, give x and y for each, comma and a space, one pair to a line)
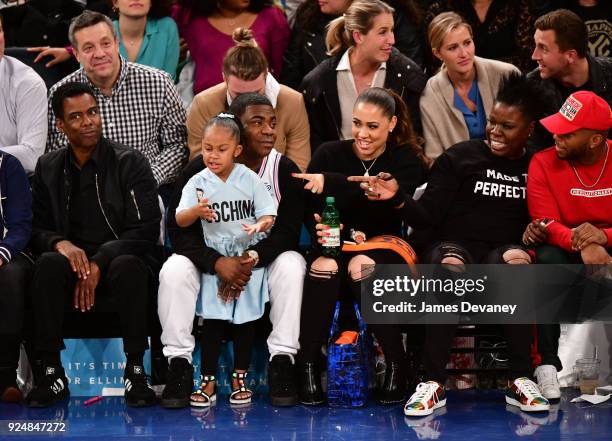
581, 110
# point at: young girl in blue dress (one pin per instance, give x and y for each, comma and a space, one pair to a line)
235, 210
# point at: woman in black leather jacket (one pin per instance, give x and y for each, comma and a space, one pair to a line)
307, 47
362, 55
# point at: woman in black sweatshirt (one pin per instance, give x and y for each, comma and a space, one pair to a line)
475, 204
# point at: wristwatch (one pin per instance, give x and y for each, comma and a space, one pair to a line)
253, 255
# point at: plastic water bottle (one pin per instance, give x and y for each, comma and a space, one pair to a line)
331, 218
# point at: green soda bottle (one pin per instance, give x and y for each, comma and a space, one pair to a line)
331, 218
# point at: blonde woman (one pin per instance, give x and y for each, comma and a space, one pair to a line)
360, 43
457, 100
307, 47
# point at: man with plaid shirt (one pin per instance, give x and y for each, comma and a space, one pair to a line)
140, 106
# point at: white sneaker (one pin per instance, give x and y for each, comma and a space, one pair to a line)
427, 398
548, 383
524, 394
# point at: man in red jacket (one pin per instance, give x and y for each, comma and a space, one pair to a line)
570, 185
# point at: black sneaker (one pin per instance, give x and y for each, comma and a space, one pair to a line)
281, 381
179, 384
53, 387
138, 392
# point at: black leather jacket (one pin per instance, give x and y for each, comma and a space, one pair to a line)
320, 91
600, 82
127, 195
307, 48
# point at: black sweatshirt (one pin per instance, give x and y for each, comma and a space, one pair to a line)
284, 236
336, 160
473, 195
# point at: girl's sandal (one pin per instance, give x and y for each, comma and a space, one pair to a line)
240, 377
199, 398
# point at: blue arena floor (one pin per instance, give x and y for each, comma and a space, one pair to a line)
468, 415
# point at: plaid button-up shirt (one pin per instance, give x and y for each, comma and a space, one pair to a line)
144, 112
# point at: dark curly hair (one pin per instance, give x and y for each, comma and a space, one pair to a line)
206, 8
69, 90
246, 100
517, 91
159, 8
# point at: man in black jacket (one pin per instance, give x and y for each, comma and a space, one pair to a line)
180, 275
96, 221
564, 66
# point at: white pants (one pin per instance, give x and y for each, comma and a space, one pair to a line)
179, 286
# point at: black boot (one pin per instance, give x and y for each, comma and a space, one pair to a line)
179, 384
394, 388
281, 380
52, 387
311, 392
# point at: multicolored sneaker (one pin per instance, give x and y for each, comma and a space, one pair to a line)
525, 394
430, 426
427, 398
527, 423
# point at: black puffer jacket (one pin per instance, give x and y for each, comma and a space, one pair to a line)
127, 197
600, 82
307, 48
320, 91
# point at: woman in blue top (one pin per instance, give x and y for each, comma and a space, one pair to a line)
146, 33
457, 100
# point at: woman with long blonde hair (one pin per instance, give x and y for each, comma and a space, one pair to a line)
458, 99
360, 43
